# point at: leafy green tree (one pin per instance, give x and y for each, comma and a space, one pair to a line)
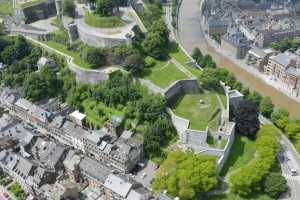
154, 46
135, 64
105, 7
266, 107
209, 78
69, 8
292, 129
274, 185
255, 98
249, 178
279, 114
246, 116
94, 56
245, 91
186, 175
238, 86
230, 80
197, 54
35, 87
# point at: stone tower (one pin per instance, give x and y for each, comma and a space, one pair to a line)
59, 9
72, 32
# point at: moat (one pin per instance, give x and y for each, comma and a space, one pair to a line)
190, 36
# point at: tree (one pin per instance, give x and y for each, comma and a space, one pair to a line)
230, 80
105, 7
209, 78
246, 116
35, 87
245, 91
94, 56
255, 97
154, 46
197, 54
135, 64
274, 185
292, 129
248, 179
186, 175
279, 114
160, 27
266, 107
69, 8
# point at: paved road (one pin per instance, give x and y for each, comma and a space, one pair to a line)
289, 159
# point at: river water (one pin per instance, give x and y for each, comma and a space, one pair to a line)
190, 36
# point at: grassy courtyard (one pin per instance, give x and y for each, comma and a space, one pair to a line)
6, 7
103, 22
242, 152
163, 73
201, 109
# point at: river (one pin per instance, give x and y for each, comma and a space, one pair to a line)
190, 36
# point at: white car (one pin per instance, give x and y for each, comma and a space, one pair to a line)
294, 172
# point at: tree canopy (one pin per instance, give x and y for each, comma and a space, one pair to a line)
186, 174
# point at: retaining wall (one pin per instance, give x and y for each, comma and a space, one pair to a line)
179, 88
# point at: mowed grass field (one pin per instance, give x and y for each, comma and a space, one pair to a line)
200, 116
163, 74
241, 153
6, 7
103, 22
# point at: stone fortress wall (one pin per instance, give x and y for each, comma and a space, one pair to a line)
196, 140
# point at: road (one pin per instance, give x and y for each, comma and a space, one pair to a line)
288, 159
190, 35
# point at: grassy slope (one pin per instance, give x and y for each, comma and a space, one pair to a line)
189, 108
242, 152
6, 7
77, 60
29, 3
103, 22
163, 74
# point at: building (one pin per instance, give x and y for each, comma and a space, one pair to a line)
31, 112
77, 117
266, 37
217, 26
235, 43
285, 68
258, 58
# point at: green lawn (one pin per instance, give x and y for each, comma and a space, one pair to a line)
77, 59
200, 115
177, 53
29, 3
103, 22
241, 153
6, 7
98, 113
163, 74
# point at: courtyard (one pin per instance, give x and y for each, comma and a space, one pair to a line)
202, 110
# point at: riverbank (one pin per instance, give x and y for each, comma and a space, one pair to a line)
190, 35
